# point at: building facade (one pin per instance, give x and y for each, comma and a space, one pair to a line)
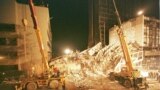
18, 41
145, 32
102, 16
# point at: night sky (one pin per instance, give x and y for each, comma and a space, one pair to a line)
69, 23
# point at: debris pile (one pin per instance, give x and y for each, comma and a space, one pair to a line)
89, 66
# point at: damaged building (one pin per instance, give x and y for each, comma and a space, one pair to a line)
95, 63
102, 16
18, 42
145, 32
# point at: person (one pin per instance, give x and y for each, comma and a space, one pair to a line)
55, 72
135, 75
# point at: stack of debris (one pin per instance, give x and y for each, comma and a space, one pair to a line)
85, 68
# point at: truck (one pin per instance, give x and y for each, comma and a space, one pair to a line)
47, 79
128, 76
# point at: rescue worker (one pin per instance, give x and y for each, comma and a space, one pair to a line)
135, 75
55, 72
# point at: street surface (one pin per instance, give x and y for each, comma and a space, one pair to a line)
153, 84
105, 84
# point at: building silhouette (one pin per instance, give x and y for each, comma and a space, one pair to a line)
102, 16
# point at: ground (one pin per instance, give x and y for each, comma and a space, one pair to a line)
106, 84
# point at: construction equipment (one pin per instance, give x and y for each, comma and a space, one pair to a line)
46, 79
27, 71
128, 76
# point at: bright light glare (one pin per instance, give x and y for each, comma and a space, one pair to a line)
67, 51
33, 68
144, 74
1, 57
140, 12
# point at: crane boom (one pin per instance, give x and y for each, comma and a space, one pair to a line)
123, 43
38, 34
128, 76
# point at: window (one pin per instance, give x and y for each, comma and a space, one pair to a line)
8, 41
9, 55
7, 27
2, 41
11, 41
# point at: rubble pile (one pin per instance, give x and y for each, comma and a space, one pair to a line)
89, 66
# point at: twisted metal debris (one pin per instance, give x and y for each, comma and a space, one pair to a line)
90, 66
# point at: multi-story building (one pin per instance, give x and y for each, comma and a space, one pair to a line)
145, 32
102, 16
18, 41
99, 12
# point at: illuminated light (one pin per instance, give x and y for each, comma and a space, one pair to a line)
67, 51
140, 12
1, 57
3, 73
33, 68
144, 74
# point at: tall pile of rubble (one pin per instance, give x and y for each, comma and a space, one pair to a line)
86, 67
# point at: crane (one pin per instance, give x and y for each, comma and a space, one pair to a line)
126, 75
38, 34
45, 80
123, 43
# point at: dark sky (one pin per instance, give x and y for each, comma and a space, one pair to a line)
69, 24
